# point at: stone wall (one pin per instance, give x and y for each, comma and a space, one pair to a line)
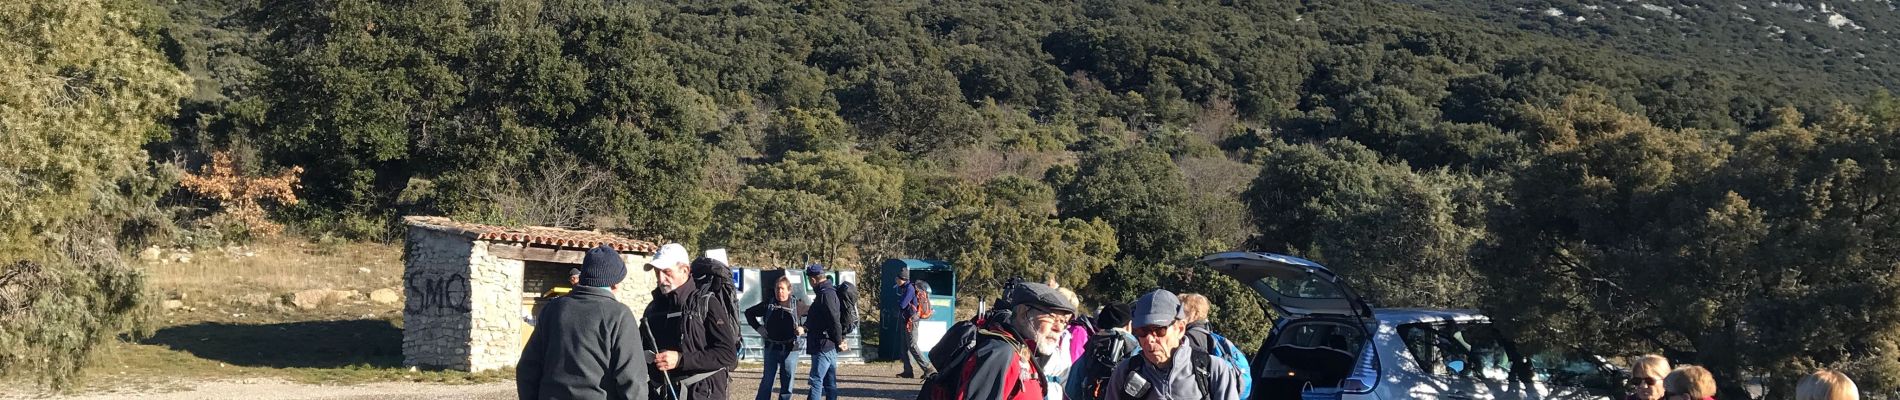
435, 278
465, 306
495, 337
637, 290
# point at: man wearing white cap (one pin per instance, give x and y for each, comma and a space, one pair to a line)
694, 348
1169, 369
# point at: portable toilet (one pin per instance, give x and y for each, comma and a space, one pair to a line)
941, 280
756, 285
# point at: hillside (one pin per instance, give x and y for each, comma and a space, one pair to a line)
1839, 46
1570, 177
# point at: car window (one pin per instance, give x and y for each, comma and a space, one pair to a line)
1487, 358
1468, 350
1306, 286
1575, 369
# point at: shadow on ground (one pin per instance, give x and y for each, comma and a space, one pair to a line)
309, 344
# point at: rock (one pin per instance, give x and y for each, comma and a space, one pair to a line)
344, 295
171, 304
384, 296
362, 270
150, 254
255, 299
309, 299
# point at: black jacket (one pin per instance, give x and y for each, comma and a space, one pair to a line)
586, 346
824, 324
779, 322
716, 350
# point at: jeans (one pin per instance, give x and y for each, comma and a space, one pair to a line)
824, 375
780, 361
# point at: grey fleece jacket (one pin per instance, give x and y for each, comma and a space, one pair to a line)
1176, 382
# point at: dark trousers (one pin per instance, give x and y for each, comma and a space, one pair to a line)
913, 355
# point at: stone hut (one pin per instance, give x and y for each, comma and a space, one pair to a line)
472, 288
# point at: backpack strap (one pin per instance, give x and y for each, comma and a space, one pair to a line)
1203, 362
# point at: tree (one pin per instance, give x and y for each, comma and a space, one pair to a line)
839, 176
912, 109
777, 227
356, 89
73, 116
1606, 228
1402, 238
1138, 191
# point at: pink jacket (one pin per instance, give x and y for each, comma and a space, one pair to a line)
1078, 339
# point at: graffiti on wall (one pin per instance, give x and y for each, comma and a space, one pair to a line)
436, 294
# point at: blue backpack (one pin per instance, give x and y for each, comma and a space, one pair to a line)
1218, 346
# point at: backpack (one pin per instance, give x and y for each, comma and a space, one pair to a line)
848, 306
717, 298
1104, 351
1219, 346
1203, 365
950, 352
924, 309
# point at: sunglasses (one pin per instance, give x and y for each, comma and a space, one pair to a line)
1151, 331
1642, 381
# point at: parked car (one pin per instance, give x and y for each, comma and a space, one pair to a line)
1329, 343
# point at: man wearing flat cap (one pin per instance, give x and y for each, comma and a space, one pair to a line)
587, 344
1010, 344
1167, 368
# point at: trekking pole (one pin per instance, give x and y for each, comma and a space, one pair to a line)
666, 378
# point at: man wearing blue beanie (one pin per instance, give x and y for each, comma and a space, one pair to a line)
587, 344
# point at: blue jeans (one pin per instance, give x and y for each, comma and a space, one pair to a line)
780, 361
824, 375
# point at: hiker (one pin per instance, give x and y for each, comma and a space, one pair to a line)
1169, 368
1689, 382
913, 301
1055, 368
573, 279
1107, 346
1201, 335
1001, 362
824, 327
1646, 376
695, 346
779, 332
1826, 385
588, 344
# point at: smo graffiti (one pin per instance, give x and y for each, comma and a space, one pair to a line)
435, 294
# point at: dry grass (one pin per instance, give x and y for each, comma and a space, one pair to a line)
234, 325
279, 265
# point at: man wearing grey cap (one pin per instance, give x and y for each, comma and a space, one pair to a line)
1168, 369
1010, 343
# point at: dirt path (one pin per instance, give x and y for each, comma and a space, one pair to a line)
869, 381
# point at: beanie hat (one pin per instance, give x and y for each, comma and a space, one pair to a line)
1112, 316
814, 269
602, 267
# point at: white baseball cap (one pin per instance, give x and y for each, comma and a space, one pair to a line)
671, 255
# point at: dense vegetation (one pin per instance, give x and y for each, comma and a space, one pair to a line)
1593, 195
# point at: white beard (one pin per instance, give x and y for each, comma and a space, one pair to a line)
1047, 347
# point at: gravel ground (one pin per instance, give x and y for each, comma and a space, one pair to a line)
866, 381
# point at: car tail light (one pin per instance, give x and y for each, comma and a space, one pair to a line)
1365, 373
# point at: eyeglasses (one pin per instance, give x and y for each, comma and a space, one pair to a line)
1642, 381
1145, 331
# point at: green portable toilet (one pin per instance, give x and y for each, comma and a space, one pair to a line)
942, 281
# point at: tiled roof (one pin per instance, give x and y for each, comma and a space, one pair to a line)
533, 235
